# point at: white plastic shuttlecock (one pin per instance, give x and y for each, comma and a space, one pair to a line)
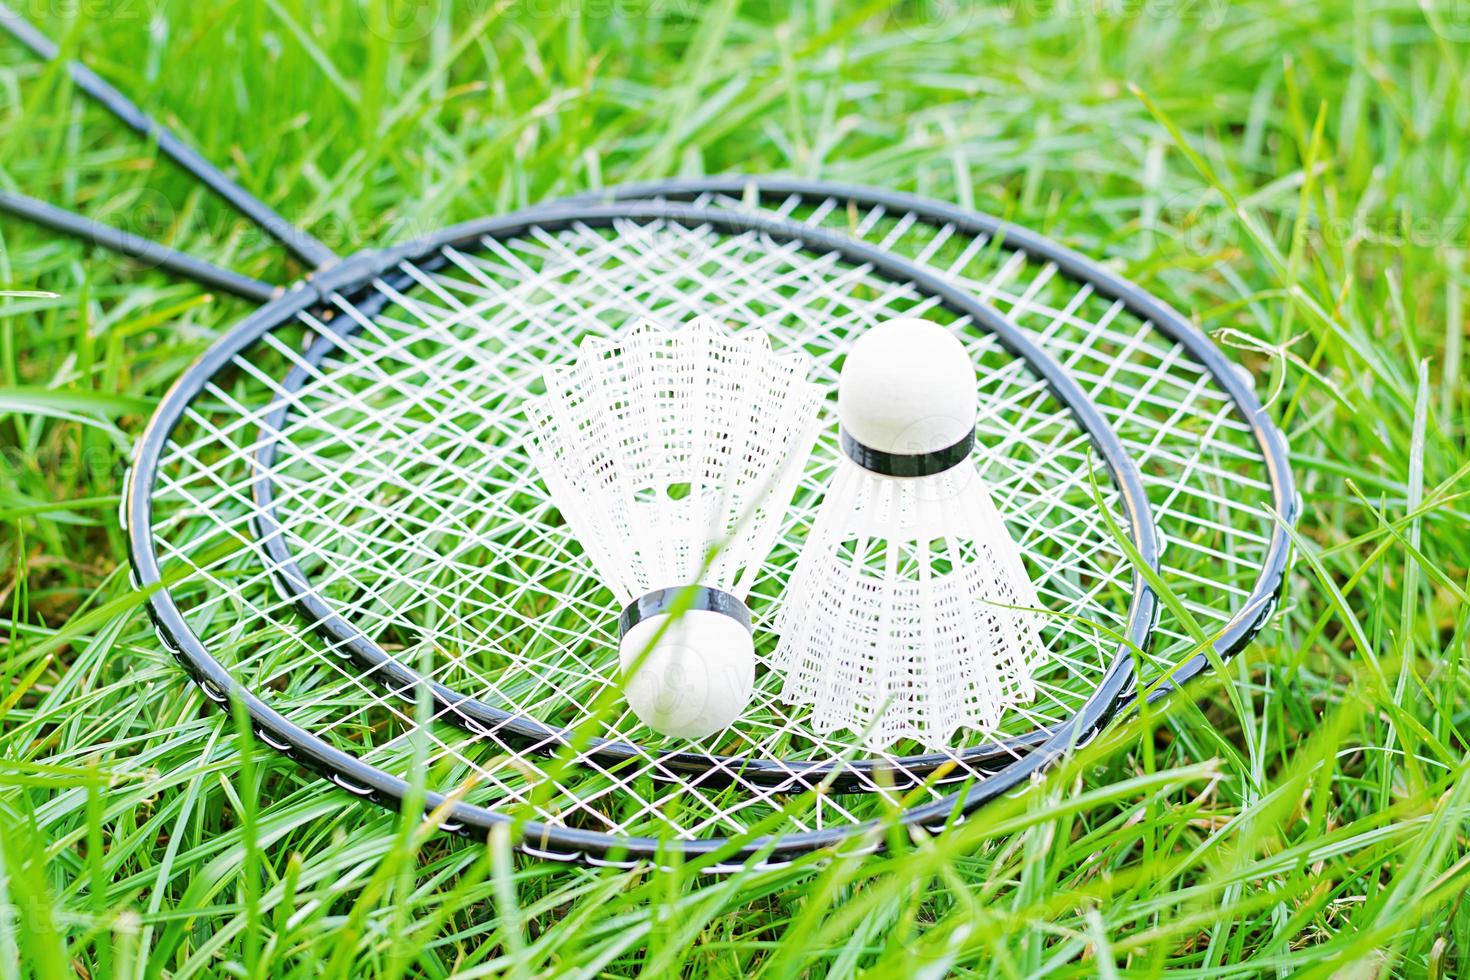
910, 614
661, 447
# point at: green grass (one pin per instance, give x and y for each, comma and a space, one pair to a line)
1291, 176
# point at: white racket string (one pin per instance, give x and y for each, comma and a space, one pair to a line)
1200, 461
402, 493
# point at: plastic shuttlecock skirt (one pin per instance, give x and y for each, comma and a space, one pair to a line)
910, 614
672, 454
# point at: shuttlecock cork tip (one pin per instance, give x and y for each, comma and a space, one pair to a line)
688, 676
908, 389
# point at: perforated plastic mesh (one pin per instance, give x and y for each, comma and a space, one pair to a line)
910, 614
410, 512
673, 451
1200, 458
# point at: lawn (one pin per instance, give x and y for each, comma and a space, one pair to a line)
1290, 175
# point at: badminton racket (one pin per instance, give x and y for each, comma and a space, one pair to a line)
402, 496
1215, 465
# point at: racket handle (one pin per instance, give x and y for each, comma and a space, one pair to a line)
144, 249
299, 243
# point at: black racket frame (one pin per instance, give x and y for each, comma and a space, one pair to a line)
352, 278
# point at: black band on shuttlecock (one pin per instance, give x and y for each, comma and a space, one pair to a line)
701, 597
898, 464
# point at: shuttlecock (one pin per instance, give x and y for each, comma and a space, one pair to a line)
910, 614
672, 454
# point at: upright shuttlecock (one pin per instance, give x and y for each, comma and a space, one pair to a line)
910, 614
672, 454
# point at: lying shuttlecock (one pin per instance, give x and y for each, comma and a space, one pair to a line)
672, 454
910, 614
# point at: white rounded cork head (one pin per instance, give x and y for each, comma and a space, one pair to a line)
907, 388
